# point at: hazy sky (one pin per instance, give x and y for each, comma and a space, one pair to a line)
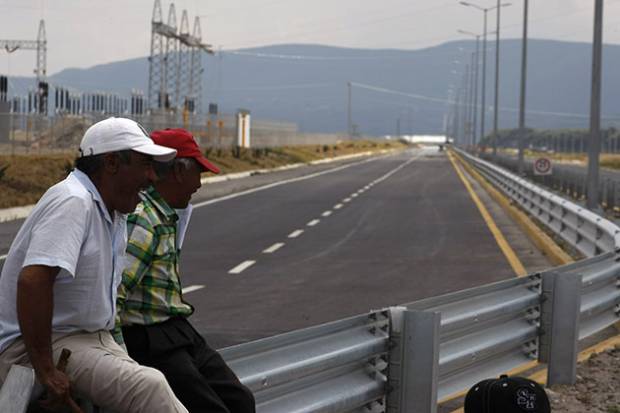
85, 33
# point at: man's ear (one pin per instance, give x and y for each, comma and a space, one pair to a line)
111, 162
179, 172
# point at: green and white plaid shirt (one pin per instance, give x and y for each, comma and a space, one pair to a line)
151, 288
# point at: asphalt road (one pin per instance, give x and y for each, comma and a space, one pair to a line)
281, 251
376, 233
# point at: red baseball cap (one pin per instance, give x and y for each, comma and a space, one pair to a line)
185, 144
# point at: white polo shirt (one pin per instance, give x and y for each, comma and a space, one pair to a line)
70, 228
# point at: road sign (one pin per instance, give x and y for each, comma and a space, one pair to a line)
542, 166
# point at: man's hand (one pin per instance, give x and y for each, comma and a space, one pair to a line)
58, 386
35, 307
58, 389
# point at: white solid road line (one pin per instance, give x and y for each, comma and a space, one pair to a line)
191, 288
326, 213
313, 222
296, 233
273, 248
338, 206
242, 267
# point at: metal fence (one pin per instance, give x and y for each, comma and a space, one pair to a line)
34, 133
405, 359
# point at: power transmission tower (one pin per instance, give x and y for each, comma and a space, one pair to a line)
40, 70
170, 61
162, 35
183, 69
175, 63
195, 82
156, 59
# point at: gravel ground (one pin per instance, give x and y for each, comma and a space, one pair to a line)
597, 389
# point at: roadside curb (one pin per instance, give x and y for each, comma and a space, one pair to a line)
11, 214
14, 213
245, 174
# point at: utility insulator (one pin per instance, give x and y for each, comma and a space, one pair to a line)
4, 88
43, 95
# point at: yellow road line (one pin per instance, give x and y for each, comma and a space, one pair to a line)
509, 253
538, 237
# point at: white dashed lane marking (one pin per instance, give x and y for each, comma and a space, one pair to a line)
326, 213
273, 248
338, 206
313, 222
191, 288
296, 233
346, 200
242, 267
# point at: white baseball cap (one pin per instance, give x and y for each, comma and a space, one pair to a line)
119, 134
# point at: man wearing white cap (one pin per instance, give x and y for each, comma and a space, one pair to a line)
58, 284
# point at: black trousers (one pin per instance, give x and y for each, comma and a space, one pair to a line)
198, 375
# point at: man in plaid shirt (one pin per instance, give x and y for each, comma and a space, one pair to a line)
152, 315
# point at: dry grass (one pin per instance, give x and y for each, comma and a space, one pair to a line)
27, 177
611, 161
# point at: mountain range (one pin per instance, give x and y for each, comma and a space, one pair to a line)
406, 89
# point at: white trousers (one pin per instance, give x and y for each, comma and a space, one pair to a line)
101, 371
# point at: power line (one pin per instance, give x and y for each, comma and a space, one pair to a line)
452, 101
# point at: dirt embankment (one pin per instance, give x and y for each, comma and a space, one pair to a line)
597, 389
24, 178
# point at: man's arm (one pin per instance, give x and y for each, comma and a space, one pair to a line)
141, 245
35, 305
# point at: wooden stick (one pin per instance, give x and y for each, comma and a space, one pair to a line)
63, 360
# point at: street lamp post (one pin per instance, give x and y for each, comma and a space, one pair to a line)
472, 109
476, 70
484, 60
594, 146
496, 99
523, 90
466, 108
349, 116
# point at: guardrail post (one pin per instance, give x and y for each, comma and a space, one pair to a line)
561, 304
414, 361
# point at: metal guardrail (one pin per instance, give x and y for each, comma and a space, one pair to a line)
335, 367
485, 330
481, 332
566, 179
584, 230
404, 359
600, 292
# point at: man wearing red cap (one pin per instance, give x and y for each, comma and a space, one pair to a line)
152, 315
